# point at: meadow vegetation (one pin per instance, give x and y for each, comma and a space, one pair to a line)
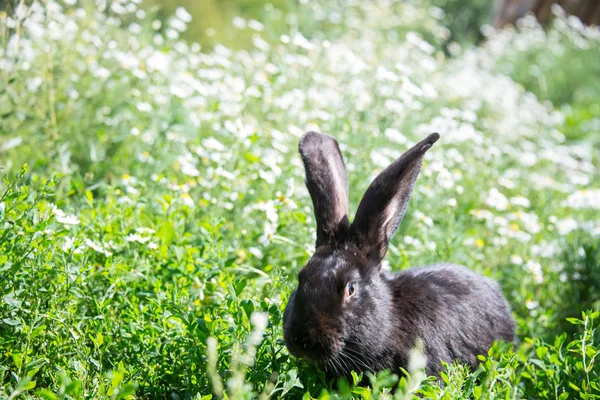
153, 215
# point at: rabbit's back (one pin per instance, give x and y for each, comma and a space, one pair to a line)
457, 313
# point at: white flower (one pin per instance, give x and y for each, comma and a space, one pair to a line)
395, 135
68, 219
516, 259
532, 304
158, 61
566, 226
414, 39
239, 23
101, 73
271, 212
413, 242
187, 167
213, 144
536, 270
134, 237
268, 176
496, 200
545, 249
187, 200
68, 244
445, 179
520, 201
301, 41
144, 107
260, 43
64, 218
530, 221
528, 159
178, 25
581, 199
424, 218
183, 15
256, 252
97, 247
11, 143
482, 215
257, 26
33, 83
268, 232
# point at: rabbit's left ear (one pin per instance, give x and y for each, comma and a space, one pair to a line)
384, 203
327, 184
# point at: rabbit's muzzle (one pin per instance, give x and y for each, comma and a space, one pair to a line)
310, 334
313, 344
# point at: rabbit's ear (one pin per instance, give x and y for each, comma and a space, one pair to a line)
383, 206
327, 184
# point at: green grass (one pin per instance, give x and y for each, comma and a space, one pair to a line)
149, 248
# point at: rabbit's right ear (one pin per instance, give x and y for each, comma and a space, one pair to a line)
327, 184
384, 203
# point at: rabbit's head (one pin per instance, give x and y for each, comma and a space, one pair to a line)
342, 306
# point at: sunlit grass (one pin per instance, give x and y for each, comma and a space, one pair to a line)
149, 248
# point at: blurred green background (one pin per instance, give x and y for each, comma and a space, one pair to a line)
213, 18
574, 87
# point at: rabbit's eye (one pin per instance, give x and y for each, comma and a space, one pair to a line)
350, 289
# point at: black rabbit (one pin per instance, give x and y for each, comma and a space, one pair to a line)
347, 314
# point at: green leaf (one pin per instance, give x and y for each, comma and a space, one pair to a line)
575, 321
89, 197
239, 286
541, 352
26, 384
202, 329
573, 386
12, 322
248, 307
166, 233
46, 394
23, 170
127, 390
364, 392
291, 381
17, 359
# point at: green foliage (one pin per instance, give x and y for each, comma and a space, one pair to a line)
213, 19
464, 19
557, 63
150, 246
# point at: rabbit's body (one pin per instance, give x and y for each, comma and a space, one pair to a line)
347, 314
442, 305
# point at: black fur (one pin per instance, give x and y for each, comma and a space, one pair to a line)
455, 312
327, 184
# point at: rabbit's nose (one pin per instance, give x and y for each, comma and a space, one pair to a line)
314, 349
297, 345
303, 346
305, 343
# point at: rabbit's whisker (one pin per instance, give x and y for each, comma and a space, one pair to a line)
360, 364
339, 365
357, 356
343, 360
356, 360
